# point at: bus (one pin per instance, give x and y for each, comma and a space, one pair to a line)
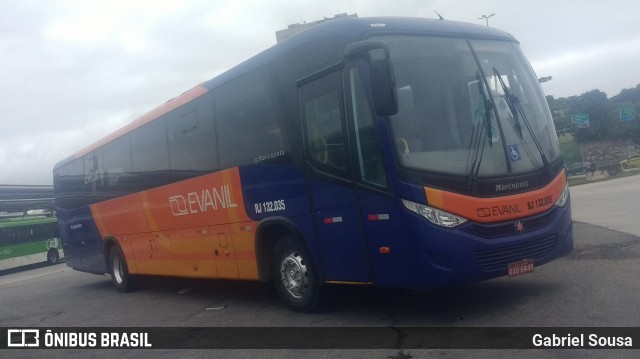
29, 240
391, 152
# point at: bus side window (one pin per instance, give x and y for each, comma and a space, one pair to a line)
322, 112
4, 237
248, 122
71, 184
192, 142
117, 167
150, 154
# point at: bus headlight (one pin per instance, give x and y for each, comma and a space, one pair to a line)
564, 197
433, 215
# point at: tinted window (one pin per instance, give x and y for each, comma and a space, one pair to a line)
70, 184
247, 122
93, 173
149, 147
117, 167
7, 236
191, 137
150, 154
45, 231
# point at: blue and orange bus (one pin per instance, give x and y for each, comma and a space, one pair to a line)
408, 153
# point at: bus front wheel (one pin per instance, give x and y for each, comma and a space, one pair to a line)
295, 277
119, 272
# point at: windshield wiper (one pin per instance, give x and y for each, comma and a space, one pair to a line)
515, 108
477, 137
511, 102
489, 104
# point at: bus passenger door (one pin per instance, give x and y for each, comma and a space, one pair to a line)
335, 207
389, 254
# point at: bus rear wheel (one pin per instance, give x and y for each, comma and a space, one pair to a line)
120, 276
52, 256
295, 277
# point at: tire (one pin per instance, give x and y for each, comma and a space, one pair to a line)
52, 257
120, 276
295, 277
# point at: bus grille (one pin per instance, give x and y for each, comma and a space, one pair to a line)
508, 228
499, 259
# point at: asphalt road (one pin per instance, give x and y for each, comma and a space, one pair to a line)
596, 286
612, 204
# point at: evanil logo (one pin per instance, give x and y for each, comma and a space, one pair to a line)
209, 199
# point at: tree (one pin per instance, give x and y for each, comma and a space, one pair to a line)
560, 113
604, 115
607, 140
627, 130
595, 104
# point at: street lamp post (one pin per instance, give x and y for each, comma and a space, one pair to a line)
486, 18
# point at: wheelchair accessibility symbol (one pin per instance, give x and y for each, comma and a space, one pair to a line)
514, 152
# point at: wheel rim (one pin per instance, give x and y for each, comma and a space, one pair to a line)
293, 275
117, 269
52, 258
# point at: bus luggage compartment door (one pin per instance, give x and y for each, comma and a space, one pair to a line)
224, 252
193, 252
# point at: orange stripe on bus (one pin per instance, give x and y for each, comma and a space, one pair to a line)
497, 209
211, 199
175, 229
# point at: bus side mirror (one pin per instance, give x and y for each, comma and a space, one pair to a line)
383, 81
382, 78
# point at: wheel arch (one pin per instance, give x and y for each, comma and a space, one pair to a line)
109, 242
269, 231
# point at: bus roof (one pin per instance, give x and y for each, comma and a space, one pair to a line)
334, 35
342, 31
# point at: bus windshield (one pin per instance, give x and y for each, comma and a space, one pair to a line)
468, 107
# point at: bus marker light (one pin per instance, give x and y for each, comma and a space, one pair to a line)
385, 250
332, 220
378, 217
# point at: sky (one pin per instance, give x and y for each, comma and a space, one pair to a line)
72, 71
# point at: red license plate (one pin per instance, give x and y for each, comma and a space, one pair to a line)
519, 268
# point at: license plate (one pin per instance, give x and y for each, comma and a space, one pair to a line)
522, 267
